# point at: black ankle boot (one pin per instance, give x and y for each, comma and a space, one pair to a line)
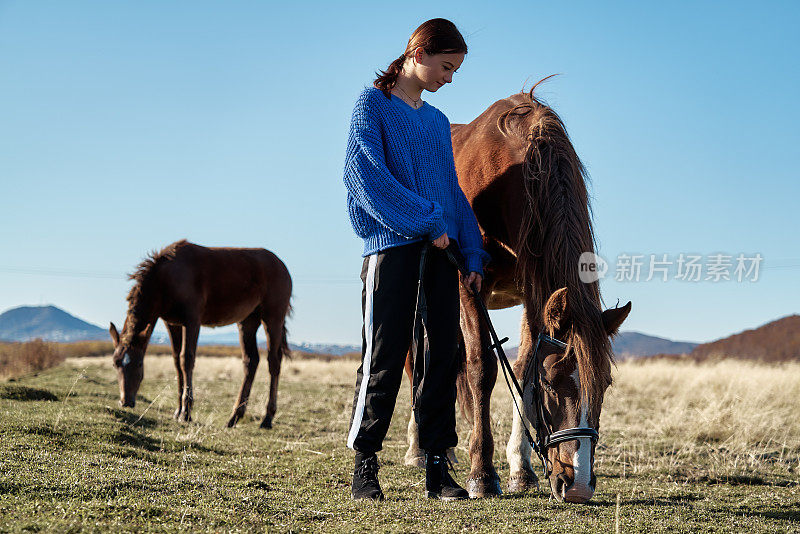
365, 477
438, 482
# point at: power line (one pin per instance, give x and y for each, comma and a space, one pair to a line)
62, 272
105, 275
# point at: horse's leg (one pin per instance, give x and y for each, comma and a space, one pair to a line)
191, 331
481, 375
518, 450
275, 333
247, 339
414, 456
176, 339
518, 453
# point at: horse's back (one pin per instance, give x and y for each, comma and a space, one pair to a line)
219, 260
225, 284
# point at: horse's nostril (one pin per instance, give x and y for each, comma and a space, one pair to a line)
562, 483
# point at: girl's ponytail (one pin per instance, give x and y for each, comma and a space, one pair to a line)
435, 36
388, 78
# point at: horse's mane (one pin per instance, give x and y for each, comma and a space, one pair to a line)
555, 230
140, 297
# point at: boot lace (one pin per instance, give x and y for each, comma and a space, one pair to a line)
444, 463
443, 460
368, 469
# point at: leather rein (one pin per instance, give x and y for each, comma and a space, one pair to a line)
545, 436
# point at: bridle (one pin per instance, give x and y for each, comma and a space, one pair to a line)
545, 436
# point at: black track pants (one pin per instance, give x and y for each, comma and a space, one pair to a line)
388, 301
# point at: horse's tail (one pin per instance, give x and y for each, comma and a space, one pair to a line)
285, 350
463, 393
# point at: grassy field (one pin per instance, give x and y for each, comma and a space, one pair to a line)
684, 448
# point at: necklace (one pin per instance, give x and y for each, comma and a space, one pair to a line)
416, 102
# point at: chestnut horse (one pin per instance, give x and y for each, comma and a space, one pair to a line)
527, 187
187, 285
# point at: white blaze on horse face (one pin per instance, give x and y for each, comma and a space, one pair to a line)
582, 458
580, 490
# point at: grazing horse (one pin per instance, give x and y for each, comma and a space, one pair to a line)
527, 187
187, 285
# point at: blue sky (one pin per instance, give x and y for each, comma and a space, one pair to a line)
125, 126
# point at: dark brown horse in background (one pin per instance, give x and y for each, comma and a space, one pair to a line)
187, 285
527, 187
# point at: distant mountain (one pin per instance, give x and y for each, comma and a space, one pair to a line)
322, 348
777, 341
511, 352
48, 323
232, 338
634, 344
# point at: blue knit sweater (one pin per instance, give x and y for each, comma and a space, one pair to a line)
401, 178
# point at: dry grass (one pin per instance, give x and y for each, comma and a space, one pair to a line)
80, 349
18, 359
734, 417
86, 348
684, 447
661, 418
296, 369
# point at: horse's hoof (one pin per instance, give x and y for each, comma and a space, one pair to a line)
414, 461
485, 486
232, 421
267, 422
522, 482
184, 417
177, 414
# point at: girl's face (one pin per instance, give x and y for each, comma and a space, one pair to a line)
433, 71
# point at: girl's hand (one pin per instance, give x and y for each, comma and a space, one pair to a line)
476, 279
442, 241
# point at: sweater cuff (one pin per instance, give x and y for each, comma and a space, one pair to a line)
475, 264
438, 229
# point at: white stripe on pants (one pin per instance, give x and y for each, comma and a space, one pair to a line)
362, 392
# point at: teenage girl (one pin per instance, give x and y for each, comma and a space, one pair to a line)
403, 197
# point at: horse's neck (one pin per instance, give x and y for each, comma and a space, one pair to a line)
144, 301
139, 320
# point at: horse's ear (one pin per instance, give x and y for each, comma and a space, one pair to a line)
614, 317
148, 331
556, 314
114, 334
